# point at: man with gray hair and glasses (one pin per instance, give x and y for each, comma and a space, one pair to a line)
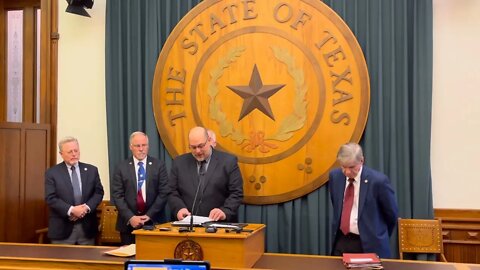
72, 191
364, 205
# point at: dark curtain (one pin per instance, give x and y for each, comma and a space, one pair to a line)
396, 38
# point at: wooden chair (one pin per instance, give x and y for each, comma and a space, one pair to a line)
420, 236
108, 219
42, 235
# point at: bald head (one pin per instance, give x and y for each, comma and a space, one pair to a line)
197, 134
199, 143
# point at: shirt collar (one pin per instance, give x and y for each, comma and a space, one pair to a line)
136, 161
70, 166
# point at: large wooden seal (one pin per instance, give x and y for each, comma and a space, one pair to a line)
282, 83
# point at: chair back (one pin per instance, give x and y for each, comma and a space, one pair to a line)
420, 236
108, 220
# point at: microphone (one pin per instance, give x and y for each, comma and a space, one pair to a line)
201, 174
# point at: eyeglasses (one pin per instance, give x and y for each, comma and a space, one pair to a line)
71, 151
199, 146
139, 145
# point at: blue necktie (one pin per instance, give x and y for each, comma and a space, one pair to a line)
141, 179
77, 192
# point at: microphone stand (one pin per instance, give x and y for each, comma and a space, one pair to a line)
190, 229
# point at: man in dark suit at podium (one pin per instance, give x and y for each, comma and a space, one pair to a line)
139, 188
364, 205
211, 176
73, 191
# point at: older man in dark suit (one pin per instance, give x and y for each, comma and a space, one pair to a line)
73, 191
139, 188
364, 205
220, 191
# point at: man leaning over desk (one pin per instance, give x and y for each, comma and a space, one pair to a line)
215, 174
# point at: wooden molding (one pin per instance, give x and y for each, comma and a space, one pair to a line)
457, 213
461, 234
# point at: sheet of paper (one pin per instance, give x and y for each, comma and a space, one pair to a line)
197, 220
125, 251
226, 226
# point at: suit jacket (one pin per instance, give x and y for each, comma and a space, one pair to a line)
222, 187
59, 197
377, 209
124, 190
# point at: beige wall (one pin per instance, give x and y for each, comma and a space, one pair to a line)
456, 96
456, 104
81, 85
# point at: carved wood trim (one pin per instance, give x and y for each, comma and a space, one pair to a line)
461, 234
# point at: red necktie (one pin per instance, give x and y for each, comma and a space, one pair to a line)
347, 207
140, 202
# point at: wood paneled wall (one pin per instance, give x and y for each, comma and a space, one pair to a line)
461, 234
23, 160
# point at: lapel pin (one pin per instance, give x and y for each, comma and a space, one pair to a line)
150, 163
130, 163
366, 181
85, 169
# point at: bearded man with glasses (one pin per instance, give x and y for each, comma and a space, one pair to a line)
205, 182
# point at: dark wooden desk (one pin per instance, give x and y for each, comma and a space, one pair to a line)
291, 261
14, 256
41, 256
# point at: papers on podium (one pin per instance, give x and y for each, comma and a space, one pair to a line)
197, 221
362, 261
224, 226
125, 251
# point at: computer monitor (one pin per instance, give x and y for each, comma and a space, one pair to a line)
166, 265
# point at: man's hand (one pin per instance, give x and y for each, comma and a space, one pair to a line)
216, 214
182, 213
78, 212
138, 221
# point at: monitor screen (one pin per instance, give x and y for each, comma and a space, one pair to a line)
167, 265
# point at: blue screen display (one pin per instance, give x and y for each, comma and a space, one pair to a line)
165, 266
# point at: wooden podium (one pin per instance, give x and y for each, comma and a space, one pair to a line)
222, 249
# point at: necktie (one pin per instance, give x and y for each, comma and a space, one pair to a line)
141, 179
347, 207
77, 192
201, 176
201, 169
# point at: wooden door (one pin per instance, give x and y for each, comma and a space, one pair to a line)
28, 87
23, 161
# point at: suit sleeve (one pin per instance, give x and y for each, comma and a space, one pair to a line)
96, 198
161, 192
330, 188
388, 204
118, 190
235, 189
336, 197
52, 198
174, 199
